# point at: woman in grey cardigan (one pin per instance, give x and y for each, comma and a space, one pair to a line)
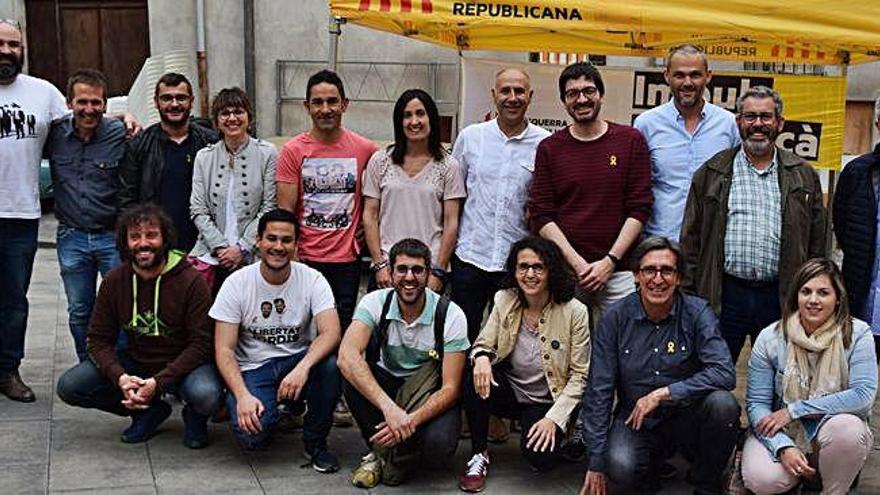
233, 186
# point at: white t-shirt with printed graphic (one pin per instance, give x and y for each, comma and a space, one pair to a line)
27, 107
410, 344
274, 320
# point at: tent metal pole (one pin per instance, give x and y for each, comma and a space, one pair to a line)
832, 174
335, 30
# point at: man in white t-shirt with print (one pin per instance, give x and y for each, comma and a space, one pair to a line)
396, 404
264, 347
27, 106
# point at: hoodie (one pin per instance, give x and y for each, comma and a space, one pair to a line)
165, 319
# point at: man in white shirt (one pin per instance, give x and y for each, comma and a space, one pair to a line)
27, 106
269, 357
497, 160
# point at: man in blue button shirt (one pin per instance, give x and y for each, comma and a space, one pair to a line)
661, 353
682, 134
84, 150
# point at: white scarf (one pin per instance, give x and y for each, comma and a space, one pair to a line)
806, 379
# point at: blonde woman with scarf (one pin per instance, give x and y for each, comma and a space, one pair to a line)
811, 384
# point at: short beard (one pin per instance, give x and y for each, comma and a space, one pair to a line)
758, 148
688, 103
587, 120
9, 71
174, 124
159, 256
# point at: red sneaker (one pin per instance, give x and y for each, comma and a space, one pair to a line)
473, 479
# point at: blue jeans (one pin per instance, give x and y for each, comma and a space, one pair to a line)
746, 308
704, 430
345, 282
473, 289
18, 247
81, 255
85, 386
321, 393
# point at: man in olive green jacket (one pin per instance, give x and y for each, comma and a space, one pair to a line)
754, 214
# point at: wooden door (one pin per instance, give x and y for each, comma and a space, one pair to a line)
66, 35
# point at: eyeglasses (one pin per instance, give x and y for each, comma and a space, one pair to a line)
537, 268
416, 270
229, 112
575, 93
179, 98
751, 117
651, 271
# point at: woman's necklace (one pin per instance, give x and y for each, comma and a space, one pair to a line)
531, 319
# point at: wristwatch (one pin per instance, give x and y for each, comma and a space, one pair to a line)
614, 259
440, 273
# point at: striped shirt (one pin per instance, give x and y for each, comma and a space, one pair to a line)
753, 235
409, 345
589, 188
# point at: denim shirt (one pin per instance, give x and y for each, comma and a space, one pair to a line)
85, 175
633, 356
676, 154
767, 369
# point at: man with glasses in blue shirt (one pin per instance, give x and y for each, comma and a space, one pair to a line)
682, 134
659, 351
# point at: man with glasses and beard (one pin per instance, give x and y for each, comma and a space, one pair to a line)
403, 359
158, 164
754, 214
20, 156
659, 353
161, 303
591, 192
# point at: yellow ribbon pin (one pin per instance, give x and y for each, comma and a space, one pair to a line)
613, 161
670, 347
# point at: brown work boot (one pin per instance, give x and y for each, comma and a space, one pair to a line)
11, 386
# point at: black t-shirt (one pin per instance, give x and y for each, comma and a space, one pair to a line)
175, 187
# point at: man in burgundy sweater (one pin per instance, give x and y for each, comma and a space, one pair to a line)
591, 192
161, 303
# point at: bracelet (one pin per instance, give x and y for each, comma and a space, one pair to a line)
376, 266
481, 353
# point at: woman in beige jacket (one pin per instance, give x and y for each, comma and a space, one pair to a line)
530, 360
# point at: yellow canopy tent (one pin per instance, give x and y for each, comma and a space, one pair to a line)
796, 31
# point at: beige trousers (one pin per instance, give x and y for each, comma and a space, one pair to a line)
844, 443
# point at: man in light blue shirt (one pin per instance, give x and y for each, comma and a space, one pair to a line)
497, 160
682, 134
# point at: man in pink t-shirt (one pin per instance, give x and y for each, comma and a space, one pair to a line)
319, 179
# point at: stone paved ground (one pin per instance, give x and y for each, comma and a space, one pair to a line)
49, 447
